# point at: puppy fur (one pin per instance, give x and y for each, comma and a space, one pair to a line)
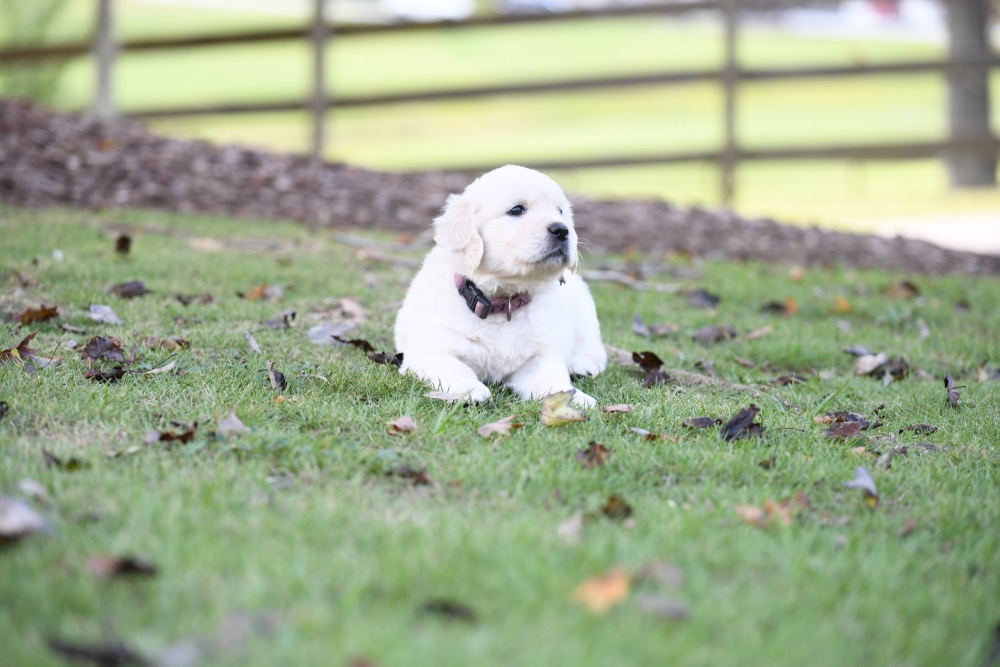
510, 232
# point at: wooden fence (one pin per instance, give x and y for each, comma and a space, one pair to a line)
728, 76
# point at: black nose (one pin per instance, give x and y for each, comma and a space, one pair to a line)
559, 230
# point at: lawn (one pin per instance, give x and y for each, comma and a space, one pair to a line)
318, 536
527, 129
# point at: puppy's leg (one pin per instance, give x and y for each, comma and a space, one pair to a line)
448, 374
543, 376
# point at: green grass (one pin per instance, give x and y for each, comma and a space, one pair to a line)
296, 520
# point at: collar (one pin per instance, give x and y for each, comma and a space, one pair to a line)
482, 306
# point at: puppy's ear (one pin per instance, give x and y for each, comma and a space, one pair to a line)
455, 229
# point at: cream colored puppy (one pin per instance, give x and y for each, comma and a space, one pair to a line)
497, 299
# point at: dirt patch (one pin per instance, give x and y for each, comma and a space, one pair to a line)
48, 159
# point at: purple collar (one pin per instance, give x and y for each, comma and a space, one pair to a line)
482, 306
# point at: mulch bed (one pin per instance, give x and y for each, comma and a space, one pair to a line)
56, 159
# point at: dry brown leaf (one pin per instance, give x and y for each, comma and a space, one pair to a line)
231, 425
593, 456
752, 514
600, 593
404, 424
40, 314
106, 566
759, 333
501, 427
617, 508
620, 407
18, 520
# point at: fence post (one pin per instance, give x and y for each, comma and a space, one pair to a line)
318, 105
730, 18
104, 54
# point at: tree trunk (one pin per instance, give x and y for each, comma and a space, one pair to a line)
969, 92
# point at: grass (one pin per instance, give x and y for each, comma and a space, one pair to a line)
549, 127
296, 522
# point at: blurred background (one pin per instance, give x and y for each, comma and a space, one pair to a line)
869, 115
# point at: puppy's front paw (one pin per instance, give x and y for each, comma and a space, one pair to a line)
478, 394
582, 400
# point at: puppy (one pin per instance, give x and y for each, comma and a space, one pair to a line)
497, 300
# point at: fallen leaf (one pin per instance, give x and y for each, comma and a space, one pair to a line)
778, 511
168, 343
639, 327
619, 408
904, 289
276, 377
908, 528
188, 299
18, 520
449, 609
843, 416
759, 333
404, 424
862, 480
857, 350
416, 476
751, 514
102, 347
502, 427
165, 368
71, 464
105, 566
283, 321
129, 290
702, 298
40, 314
785, 380
600, 593
701, 422
571, 530
616, 508
841, 306
328, 332
385, 358
652, 368
662, 606
108, 376
231, 425
742, 425
768, 463
595, 455
952, 389
556, 409
103, 314
252, 342
785, 309
21, 351
185, 436
844, 429
108, 654
713, 333
360, 343
123, 243
869, 363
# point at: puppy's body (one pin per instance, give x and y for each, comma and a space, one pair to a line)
511, 234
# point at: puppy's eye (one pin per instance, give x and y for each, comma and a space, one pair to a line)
517, 210
559, 208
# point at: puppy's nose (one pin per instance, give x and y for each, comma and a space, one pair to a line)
559, 230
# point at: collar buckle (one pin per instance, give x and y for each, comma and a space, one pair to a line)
475, 299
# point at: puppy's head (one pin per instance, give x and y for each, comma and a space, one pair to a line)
512, 224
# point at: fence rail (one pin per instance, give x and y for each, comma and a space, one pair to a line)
729, 76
